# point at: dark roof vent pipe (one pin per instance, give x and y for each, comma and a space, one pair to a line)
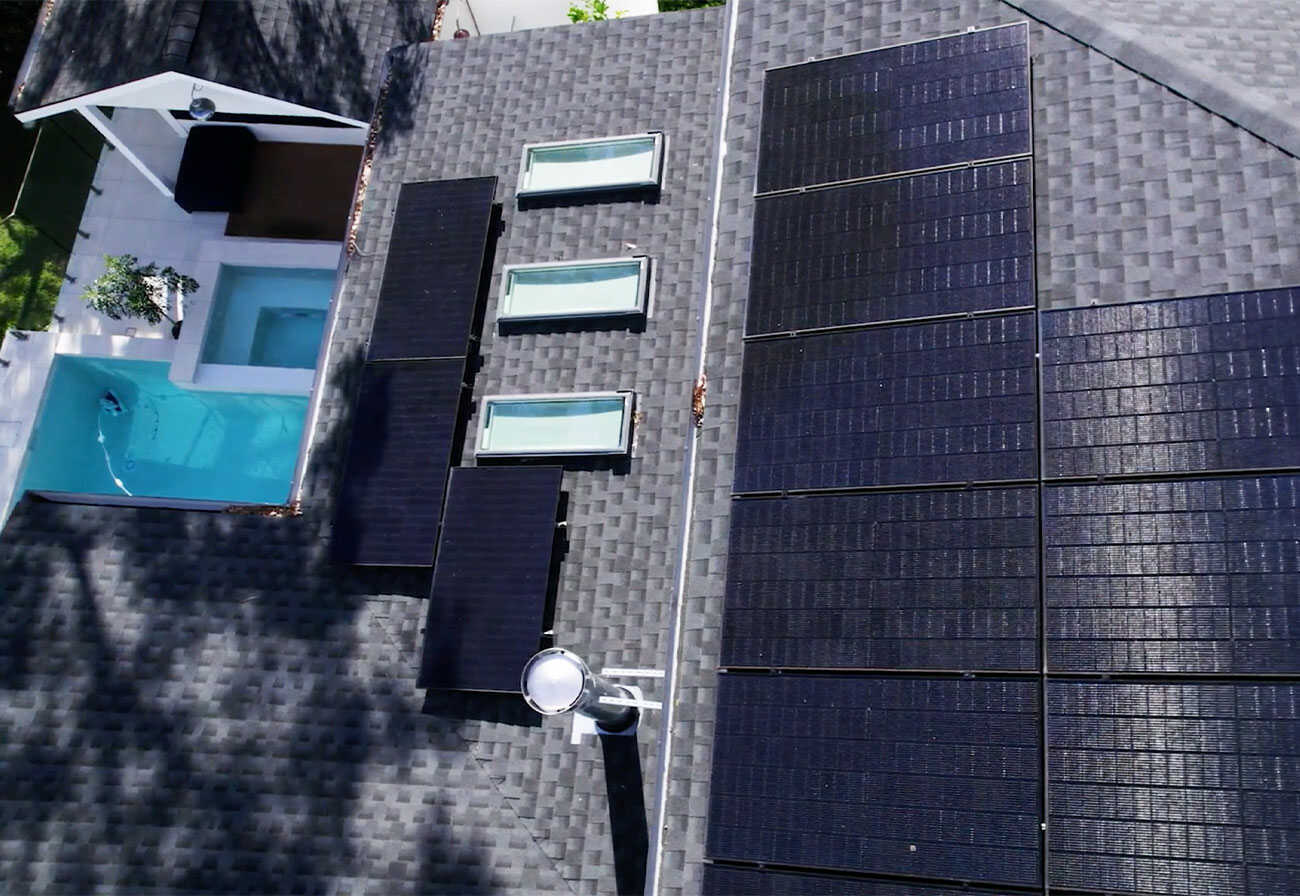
556, 681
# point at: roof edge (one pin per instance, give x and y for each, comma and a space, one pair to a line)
1268, 121
29, 58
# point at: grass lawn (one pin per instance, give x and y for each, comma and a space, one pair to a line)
31, 272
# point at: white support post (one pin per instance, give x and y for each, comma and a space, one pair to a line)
177, 128
100, 122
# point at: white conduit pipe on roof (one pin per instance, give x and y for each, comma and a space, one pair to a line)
656, 857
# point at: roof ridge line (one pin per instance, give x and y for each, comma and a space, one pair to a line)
1195, 83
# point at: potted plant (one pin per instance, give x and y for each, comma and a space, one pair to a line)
130, 289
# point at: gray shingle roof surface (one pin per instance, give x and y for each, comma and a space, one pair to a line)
325, 54
201, 702
1140, 193
1237, 59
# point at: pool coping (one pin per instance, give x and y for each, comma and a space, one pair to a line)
189, 371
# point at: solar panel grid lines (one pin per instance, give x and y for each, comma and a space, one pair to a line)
911, 247
1177, 385
403, 429
948, 401
428, 297
732, 880
489, 589
936, 580
891, 775
1179, 789
914, 106
1193, 576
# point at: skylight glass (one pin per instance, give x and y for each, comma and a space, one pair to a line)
578, 423
575, 166
604, 287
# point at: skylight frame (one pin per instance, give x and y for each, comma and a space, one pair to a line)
621, 449
505, 295
654, 179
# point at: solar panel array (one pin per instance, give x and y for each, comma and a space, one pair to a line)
1198, 575
889, 775
403, 424
406, 416
1184, 385
905, 108
434, 264
928, 585
948, 401
899, 580
489, 591
1178, 788
950, 241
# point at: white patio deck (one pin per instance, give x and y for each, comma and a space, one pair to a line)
125, 213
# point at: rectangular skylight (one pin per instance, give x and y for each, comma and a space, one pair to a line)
572, 424
597, 288
577, 166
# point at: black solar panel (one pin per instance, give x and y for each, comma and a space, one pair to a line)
952, 401
489, 587
921, 105
1179, 385
725, 880
1187, 576
927, 777
403, 426
913, 580
909, 247
431, 278
1178, 789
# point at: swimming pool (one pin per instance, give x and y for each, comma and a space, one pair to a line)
158, 440
267, 317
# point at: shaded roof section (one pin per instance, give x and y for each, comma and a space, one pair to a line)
1237, 59
325, 54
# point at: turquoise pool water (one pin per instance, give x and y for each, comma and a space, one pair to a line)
166, 442
267, 317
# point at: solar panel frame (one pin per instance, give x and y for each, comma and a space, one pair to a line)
905, 108
433, 270
904, 580
403, 433
488, 597
941, 402
887, 775
947, 242
731, 880
1174, 788
1207, 383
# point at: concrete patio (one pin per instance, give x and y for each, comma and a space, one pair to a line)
126, 213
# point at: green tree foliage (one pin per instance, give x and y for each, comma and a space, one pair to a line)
677, 5
130, 289
593, 11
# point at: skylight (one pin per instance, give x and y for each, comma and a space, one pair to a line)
578, 166
572, 424
593, 288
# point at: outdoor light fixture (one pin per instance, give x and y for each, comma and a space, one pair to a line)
202, 108
556, 681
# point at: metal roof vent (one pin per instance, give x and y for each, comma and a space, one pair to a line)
557, 681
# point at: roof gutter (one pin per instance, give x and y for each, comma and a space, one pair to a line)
29, 58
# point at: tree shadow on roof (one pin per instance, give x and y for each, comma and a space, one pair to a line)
242, 727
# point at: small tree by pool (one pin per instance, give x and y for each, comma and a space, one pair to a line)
130, 289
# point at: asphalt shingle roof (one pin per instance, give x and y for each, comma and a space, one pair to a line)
196, 701
202, 702
1139, 193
